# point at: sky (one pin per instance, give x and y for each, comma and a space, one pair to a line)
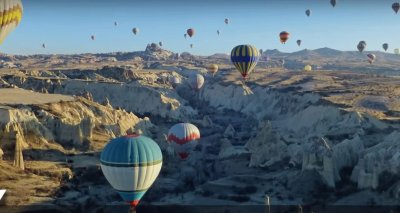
66, 25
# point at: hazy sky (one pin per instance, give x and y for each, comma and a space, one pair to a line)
66, 25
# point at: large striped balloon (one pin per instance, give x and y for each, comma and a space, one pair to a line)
131, 164
10, 16
245, 58
183, 137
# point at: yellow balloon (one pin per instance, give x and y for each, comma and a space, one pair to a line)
308, 68
213, 68
10, 16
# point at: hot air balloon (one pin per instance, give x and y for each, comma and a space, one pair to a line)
196, 81
245, 58
226, 21
92, 37
284, 36
175, 81
308, 68
44, 45
185, 35
385, 46
115, 23
298, 42
333, 3
135, 30
371, 58
131, 164
361, 46
160, 43
396, 7
261, 52
213, 68
10, 16
397, 51
282, 62
308, 12
191, 45
190, 32
218, 32
183, 137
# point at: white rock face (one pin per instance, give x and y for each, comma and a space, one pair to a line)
134, 97
374, 160
297, 120
68, 123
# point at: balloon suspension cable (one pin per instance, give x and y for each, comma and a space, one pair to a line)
246, 89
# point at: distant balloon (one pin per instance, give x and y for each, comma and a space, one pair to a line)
298, 42
92, 37
115, 23
135, 30
183, 137
282, 62
191, 45
44, 45
190, 32
385, 46
361, 46
226, 21
397, 51
308, 68
175, 81
218, 32
131, 164
10, 16
213, 68
261, 52
333, 3
396, 7
308, 12
196, 81
371, 58
245, 58
284, 36
160, 43
185, 35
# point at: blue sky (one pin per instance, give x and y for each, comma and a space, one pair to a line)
66, 25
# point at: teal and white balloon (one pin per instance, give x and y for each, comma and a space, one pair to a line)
131, 164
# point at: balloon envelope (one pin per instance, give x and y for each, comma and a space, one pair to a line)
245, 58
371, 58
308, 68
397, 51
396, 7
385, 46
361, 46
284, 36
308, 12
213, 68
11, 14
131, 164
226, 21
190, 32
135, 30
196, 81
183, 137
333, 3
298, 42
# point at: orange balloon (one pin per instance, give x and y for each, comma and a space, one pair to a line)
284, 36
